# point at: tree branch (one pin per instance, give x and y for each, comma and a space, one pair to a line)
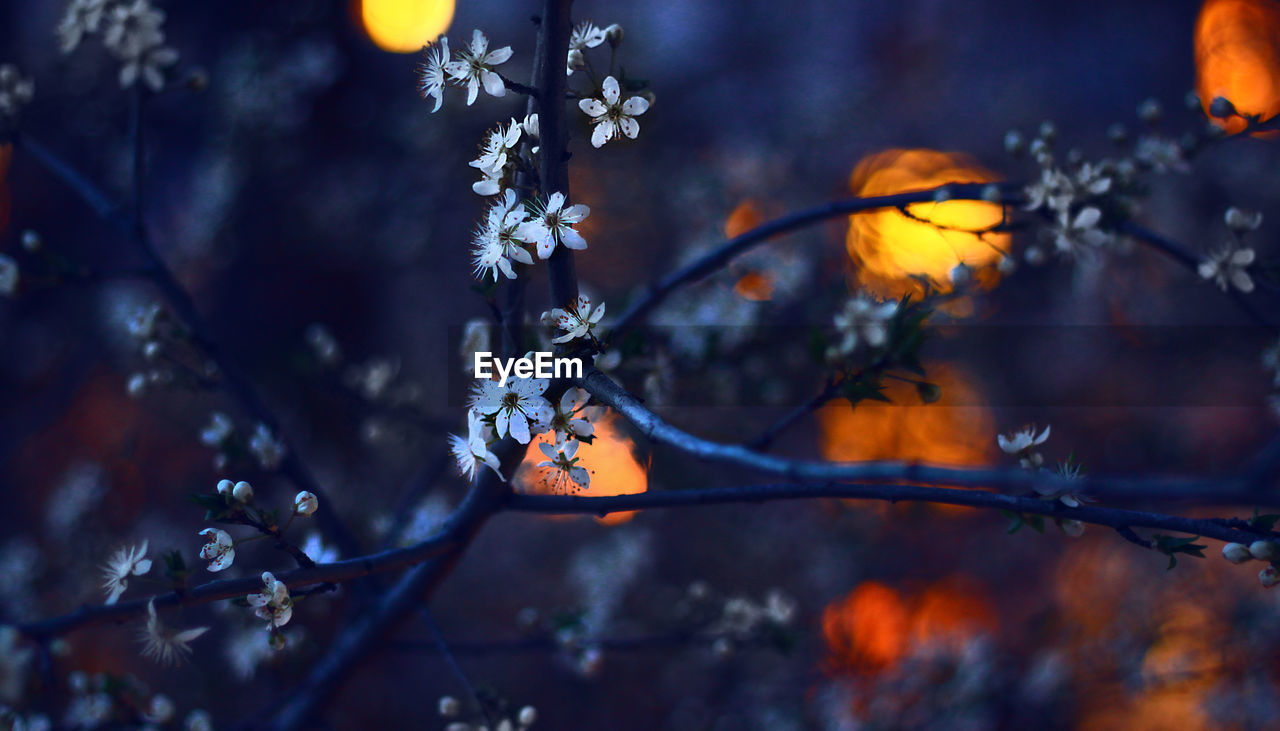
727, 251
159, 273
331, 573
1223, 491
1220, 529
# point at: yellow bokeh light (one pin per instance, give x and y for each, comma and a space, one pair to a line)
888, 248
405, 26
1238, 57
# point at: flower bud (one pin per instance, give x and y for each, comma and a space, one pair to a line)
1221, 107
942, 194
1236, 552
527, 716
243, 492
1073, 528
225, 487
961, 275
1270, 576
1150, 111
136, 384
448, 706
1240, 221
1013, 142
1048, 131
305, 503
31, 241
1264, 550
613, 34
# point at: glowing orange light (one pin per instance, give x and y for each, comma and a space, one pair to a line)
609, 458
405, 26
755, 286
742, 219
1237, 47
875, 626
944, 432
888, 248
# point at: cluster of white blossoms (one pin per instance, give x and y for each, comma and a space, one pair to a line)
473, 67
449, 707
132, 31
862, 321
1228, 266
15, 93
1261, 550
519, 410
1070, 196
220, 548
512, 227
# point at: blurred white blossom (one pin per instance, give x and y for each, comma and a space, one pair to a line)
127, 561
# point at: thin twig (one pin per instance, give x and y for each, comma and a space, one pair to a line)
443, 647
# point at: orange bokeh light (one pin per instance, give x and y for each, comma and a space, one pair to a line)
888, 248
405, 26
1237, 49
943, 432
610, 459
875, 626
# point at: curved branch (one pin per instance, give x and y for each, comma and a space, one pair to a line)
1223, 491
159, 273
1221, 529
329, 573
725, 252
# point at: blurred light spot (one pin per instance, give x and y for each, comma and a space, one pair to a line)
888, 248
742, 219
944, 432
875, 626
609, 458
1237, 47
405, 26
755, 286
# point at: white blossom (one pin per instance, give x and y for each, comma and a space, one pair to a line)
576, 321
519, 410
126, 562
268, 450
610, 115
568, 421
220, 551
1241, 221
1021, 441
495, 154
1071, 233
273, 603
1227, 268
565, 475
585, 35
164, 645
316, 550
81, 18
473, 450
217, 431
15, 92
133, 33
305, 503
862, 320
432, 72
496, 243
553, 224
474, 67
